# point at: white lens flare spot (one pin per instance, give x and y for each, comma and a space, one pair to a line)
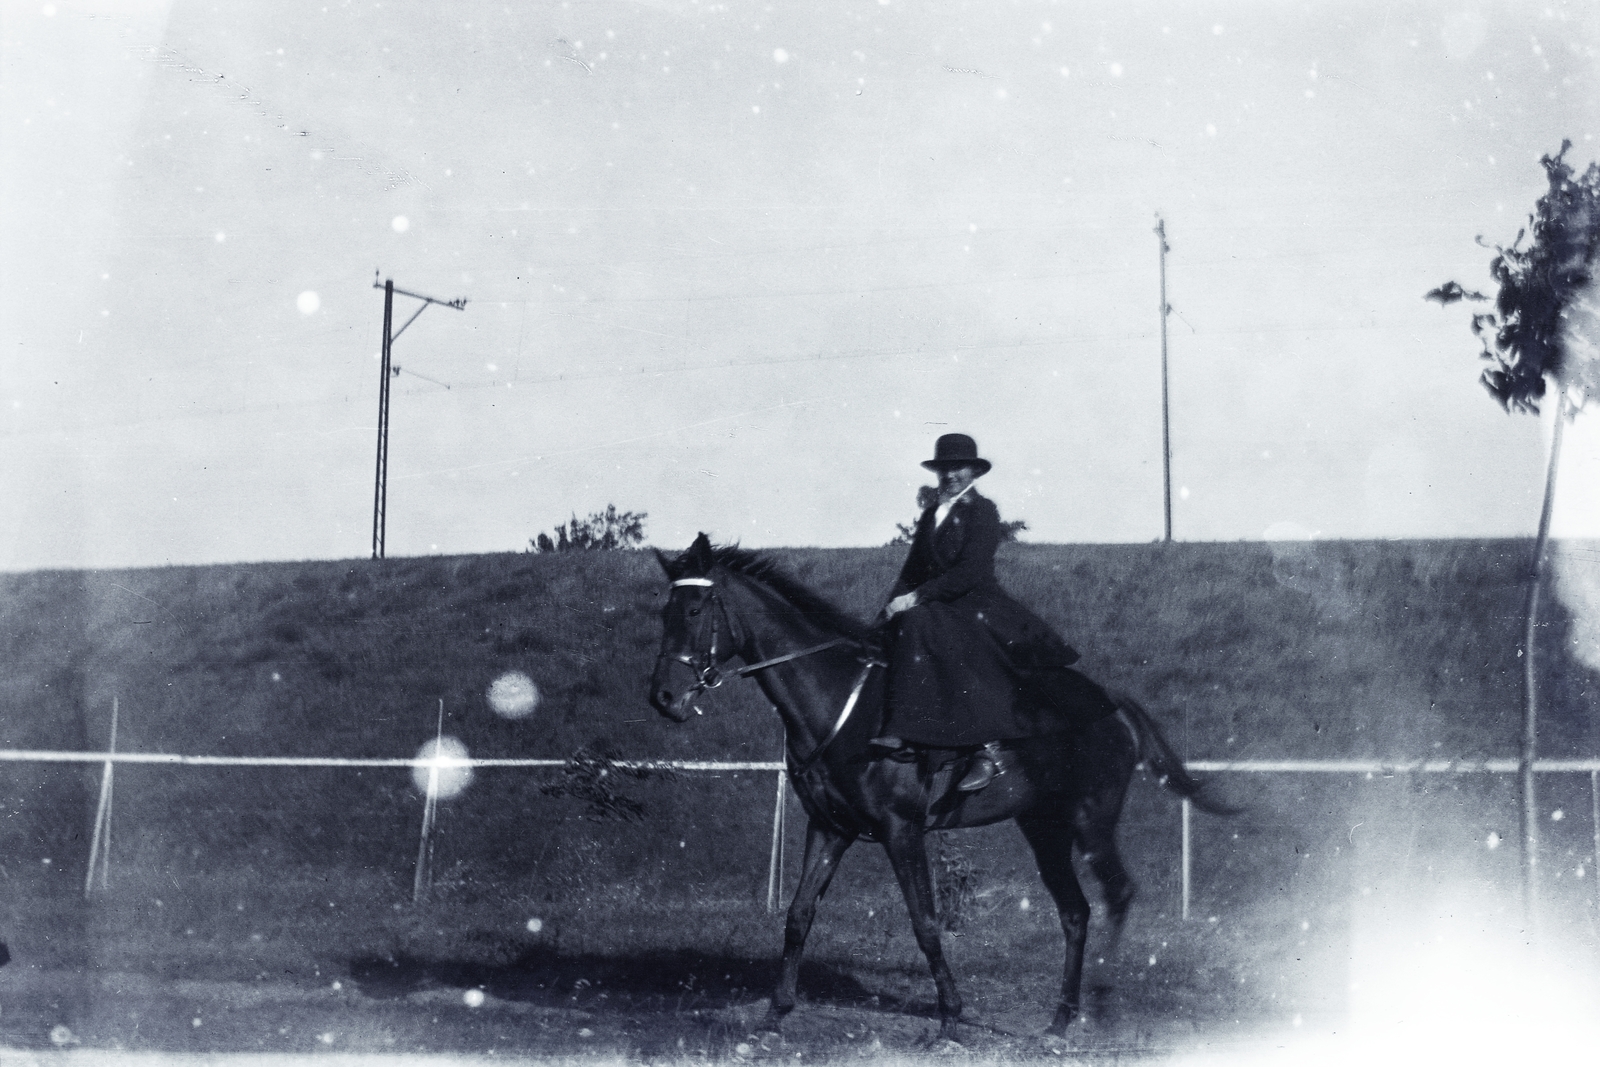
401, 224
513, 695
220, 237
1024, 904
442, 770
1492, 842
1425, 974
779, 55
535, 925
308, 302
473, 998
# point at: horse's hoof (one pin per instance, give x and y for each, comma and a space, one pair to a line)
771, 1023
940, 1043
1054, 1044
765, 1042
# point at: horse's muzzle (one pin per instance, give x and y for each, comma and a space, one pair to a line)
669, 702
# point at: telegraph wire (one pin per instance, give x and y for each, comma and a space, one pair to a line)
699, 368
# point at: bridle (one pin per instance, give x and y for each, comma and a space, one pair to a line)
707, 676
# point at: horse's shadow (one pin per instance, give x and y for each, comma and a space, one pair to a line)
663, 980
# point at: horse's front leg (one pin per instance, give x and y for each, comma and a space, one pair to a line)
824, 847
909, 857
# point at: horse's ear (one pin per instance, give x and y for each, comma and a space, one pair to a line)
667, 563
700, 557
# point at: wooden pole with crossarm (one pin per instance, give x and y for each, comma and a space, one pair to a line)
380, 489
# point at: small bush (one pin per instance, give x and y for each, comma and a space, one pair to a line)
927, 497
608, 529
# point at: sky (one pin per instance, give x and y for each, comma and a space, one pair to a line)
737, 265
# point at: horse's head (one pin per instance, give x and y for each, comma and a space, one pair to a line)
696, 635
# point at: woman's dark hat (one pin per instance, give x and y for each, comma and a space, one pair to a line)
956, 450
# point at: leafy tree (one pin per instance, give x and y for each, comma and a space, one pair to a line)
608, 529
1544, 331
1544, 322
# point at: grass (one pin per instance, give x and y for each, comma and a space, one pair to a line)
1310, 650
1322, 650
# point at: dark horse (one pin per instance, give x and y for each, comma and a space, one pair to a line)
818, 667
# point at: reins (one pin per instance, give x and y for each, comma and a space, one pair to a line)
707, 676
745, 672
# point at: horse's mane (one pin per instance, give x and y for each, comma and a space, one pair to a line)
820, 609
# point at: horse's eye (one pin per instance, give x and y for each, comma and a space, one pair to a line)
694, 613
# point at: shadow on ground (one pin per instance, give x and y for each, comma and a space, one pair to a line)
659, 980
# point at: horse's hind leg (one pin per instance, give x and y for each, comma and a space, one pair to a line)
1109, 758
1051, 840
1095, 824
824, 847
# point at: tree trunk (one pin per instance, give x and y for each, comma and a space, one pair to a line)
1530, 688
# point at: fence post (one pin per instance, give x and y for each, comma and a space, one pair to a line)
775, 863
100, 841
1594, 823
1185, 806
430, 809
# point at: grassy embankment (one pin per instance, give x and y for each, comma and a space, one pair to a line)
1340, 649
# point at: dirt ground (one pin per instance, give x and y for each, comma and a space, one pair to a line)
1387, 932
419, 1011
202, 977
461, 980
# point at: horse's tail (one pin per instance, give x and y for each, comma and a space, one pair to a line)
1157, 753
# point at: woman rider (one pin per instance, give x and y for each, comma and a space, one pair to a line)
968, 665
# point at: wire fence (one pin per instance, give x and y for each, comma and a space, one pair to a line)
437, 764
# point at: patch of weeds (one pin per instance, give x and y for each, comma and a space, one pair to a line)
454, 883
955, 882
594, 775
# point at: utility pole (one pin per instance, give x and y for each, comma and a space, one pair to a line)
1166, 419
380, 491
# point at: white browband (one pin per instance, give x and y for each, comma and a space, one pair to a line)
693, 581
